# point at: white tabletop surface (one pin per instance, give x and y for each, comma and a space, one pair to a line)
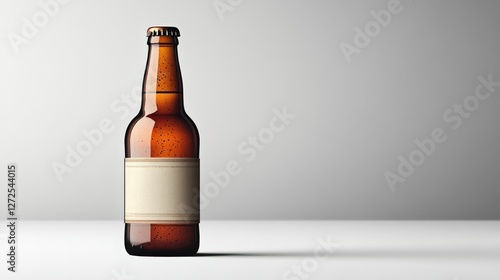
254, 250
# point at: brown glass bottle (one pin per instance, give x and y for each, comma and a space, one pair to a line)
162, 130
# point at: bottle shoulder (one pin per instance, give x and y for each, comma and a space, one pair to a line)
156, 135
158, 117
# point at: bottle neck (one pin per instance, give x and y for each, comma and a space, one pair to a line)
162, 85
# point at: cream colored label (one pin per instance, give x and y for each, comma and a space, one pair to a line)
162, 190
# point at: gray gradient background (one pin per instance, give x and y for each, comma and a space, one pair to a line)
352, 120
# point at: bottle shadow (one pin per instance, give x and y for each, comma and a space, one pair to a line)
256, 254
376, 253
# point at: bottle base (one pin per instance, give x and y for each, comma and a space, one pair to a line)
139, 251
161, 239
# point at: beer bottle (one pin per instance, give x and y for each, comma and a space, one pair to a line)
162, 181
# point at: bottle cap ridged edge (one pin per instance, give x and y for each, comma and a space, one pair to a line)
163, 31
